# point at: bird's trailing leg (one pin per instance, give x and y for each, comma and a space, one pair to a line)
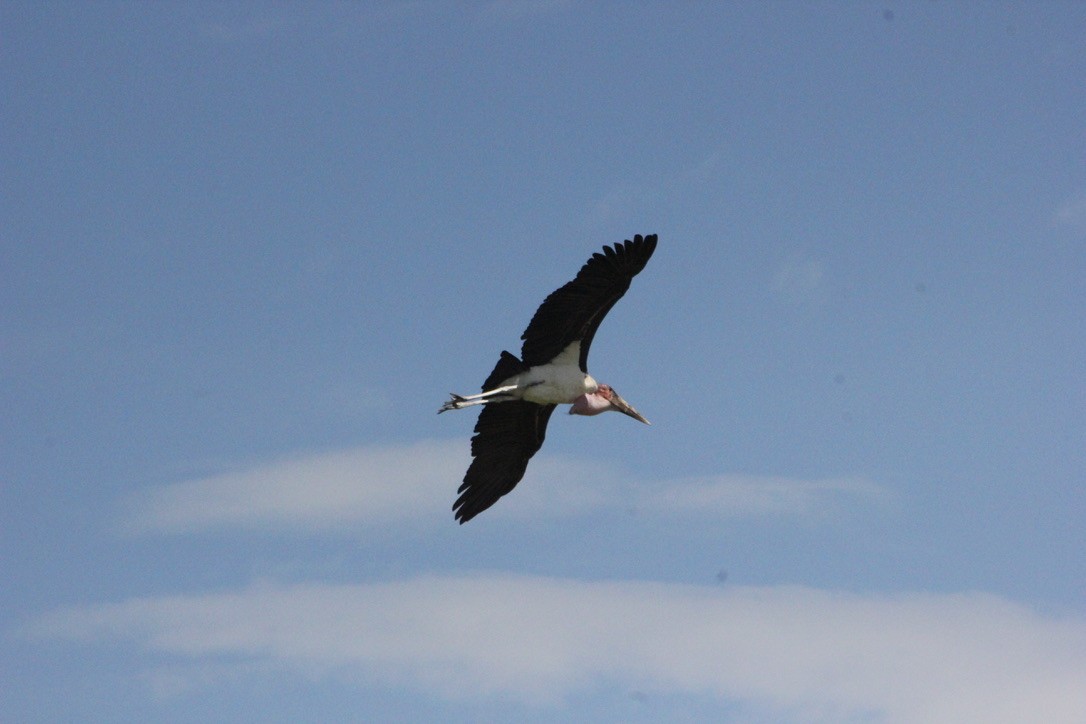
498, 394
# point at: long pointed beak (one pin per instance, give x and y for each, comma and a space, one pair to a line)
626, 408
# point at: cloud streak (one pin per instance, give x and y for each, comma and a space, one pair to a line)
358, 486
417, 483
787, 653
798, 280
1072, 212
744, 495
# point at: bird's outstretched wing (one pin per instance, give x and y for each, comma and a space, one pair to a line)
507, 435
574, 311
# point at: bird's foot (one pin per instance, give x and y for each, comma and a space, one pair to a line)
455, 402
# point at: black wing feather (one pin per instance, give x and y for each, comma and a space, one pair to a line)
507, 435
574, 311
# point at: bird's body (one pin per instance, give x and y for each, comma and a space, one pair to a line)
558, 382
520, 394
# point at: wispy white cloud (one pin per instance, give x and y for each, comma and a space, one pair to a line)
789, 653
1072, 212
264, 24
612, 204
385, 485
369, 485
522, 8
798, 279
744, 495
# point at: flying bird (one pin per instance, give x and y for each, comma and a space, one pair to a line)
520, 394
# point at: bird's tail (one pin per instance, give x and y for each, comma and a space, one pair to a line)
493, 391
508, 365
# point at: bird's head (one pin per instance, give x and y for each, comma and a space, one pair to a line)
602, 400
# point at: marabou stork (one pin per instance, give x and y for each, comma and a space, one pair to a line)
553, 370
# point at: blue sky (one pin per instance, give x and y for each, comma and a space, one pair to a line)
247, 249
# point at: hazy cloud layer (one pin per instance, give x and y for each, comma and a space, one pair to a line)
1072, 212
364, 485
789, 653
798, 279
383, 485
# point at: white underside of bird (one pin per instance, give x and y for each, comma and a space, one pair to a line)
558, 382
